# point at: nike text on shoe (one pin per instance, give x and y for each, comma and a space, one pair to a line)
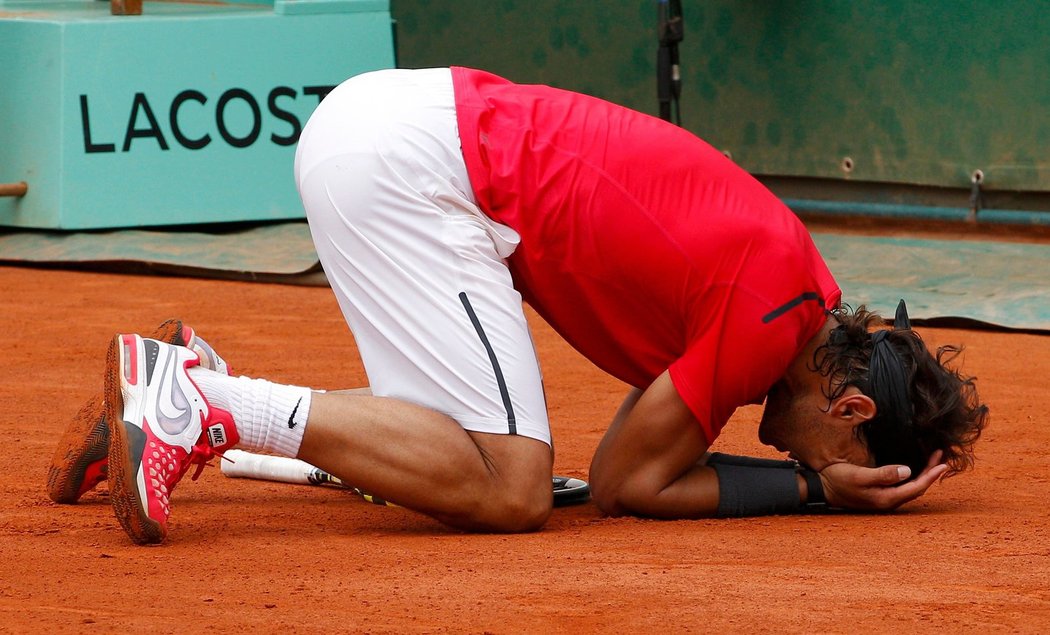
81, 456
159, 424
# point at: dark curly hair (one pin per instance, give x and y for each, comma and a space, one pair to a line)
946, 412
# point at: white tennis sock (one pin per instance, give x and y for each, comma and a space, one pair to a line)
269, 417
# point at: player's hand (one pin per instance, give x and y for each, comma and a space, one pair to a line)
876, 489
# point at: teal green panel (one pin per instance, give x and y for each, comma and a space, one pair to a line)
27, 99
240, 181
910, 92
187, 114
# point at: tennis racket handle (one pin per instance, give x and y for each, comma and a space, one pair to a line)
241, 464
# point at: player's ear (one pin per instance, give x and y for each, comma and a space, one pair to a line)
852, 408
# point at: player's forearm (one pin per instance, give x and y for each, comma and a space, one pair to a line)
772, 487
694, 494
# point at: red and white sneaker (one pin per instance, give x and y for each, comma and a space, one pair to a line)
208, 357
159, 424
82, 454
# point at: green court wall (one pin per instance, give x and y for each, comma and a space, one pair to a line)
910, 94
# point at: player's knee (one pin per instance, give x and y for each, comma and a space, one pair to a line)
605, 497
617, 498
520, 510
515, 493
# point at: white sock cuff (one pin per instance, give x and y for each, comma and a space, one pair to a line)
269, 417
289, 408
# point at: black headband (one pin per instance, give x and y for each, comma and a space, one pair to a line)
891, 434
887, 377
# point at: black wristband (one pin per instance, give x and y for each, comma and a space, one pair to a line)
816, 502
756, 491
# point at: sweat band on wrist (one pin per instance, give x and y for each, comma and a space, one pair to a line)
756, 491
816, 501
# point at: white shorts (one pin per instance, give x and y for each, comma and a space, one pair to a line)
417, 267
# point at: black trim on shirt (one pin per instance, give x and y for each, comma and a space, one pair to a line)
787, 306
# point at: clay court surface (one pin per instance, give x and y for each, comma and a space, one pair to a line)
249, 556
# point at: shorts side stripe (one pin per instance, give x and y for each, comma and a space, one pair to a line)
500, 381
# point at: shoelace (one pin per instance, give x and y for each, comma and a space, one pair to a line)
200, 454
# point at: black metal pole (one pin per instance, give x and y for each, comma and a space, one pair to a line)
668, 73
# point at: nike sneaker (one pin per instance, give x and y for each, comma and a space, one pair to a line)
80, 459
570, 491
159, 425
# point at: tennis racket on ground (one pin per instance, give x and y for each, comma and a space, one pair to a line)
241, 464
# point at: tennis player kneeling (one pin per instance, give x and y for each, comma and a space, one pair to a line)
438, 201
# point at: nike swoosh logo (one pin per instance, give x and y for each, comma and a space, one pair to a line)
291, 417
172, 409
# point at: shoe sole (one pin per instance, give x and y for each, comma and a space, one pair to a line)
74, 471
123, 488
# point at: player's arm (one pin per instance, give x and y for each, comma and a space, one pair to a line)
652, 462
649, 462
